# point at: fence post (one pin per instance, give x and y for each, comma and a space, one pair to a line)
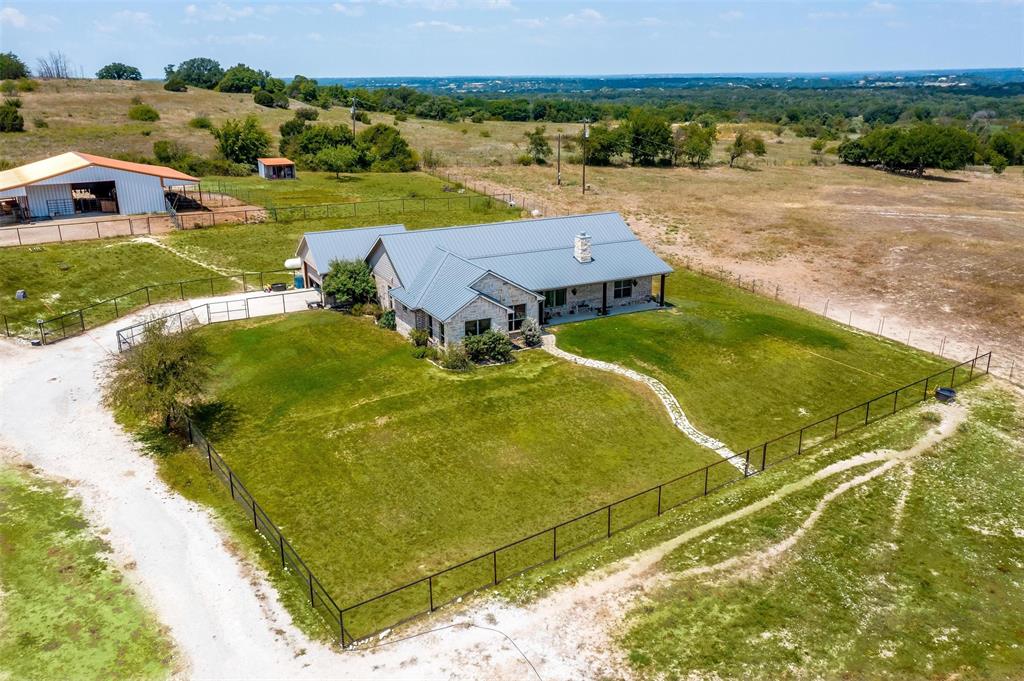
231, 482
609, 520
211, 286
430, 590
554, 543
312, 600
970, 376
952, 378
261, 281
81, 318
800, 443
181, 289
42, 334
148, 301
255, 522
895, 400
764, 454
494, 555
925, 396
280, 545
867, 411
659, 499
707, 470
746, 465
116, 312
209, 455
988, 362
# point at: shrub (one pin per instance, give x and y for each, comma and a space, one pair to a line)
489, 346
175, 84
998, 162
485, 133
9, 87
242, 141
143, 112
40, 122
524, 159
10, 117
531, 332
201, 122
12, 67
455, 358
419, 337
169, 152
419, 351
367, 310
264, 98
350, 281
401, 117
307, 113
387, 320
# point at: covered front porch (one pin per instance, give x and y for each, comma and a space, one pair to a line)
595, 313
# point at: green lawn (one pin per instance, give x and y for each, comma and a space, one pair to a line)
311, 188
65, 611
266, 246
744, 368
937, 594
381, 468
64, 277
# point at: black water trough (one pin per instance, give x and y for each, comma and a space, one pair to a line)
945, 394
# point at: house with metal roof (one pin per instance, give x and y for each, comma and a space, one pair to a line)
459, 281
74, 184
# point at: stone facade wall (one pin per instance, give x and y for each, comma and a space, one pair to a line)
591, 294
481, 308
385, 277
510, 295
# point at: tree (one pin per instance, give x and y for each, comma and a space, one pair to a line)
337, 160
162, 378
200, 71
242, 78
603, 144
385, 149
143, 112
298, 139
119, 71
169, 152
242, 141
11, 119
537, 145
695, 143
649, 137
912, 150
350, 281
175, 84
54, 65
12, 67
746, 143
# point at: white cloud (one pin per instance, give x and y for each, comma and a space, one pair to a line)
349, 9
125, 20
584, 16
532, 23
731, 15
12, 16
217, 13
828, 15
650, 21
442, 26
315, 37
877, 6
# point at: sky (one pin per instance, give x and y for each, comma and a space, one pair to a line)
351, 38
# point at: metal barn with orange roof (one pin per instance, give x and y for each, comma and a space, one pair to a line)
74, 184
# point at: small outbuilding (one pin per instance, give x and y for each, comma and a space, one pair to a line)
76, 184
275, 168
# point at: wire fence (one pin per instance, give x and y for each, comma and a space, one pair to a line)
96, 314
216, 311
426, 594
82, 230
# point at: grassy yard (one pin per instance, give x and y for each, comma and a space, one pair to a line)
64, 277
266, 246
381, 468
65, 611
744, 368
935, 594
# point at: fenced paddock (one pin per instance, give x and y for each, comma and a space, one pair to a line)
360, 620
216, 311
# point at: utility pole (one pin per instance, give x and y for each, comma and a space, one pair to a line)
558, 179
586, 136
353, 117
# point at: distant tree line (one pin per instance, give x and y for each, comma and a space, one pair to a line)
333, 148
917, 148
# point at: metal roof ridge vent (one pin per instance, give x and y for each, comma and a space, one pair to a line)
581, 248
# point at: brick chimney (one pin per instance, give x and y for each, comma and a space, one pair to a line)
581, 249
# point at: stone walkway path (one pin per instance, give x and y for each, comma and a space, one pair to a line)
669, 400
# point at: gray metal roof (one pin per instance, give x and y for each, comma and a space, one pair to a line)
409, 250
343, 244
444, 285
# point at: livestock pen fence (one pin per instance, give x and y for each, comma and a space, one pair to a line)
96, 314
215, 311
426, 594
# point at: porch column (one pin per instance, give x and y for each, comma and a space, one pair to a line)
661, 292
604, 297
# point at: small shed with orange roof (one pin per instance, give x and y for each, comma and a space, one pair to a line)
278, 168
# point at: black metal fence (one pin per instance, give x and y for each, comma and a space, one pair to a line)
291, 562
77, 321
80, 230
217, 311
428, 593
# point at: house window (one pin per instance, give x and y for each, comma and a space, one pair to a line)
516, 317
430, 326
555, 298
623, 289
475, 327
440, 333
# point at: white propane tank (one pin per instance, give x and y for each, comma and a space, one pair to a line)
293, 264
